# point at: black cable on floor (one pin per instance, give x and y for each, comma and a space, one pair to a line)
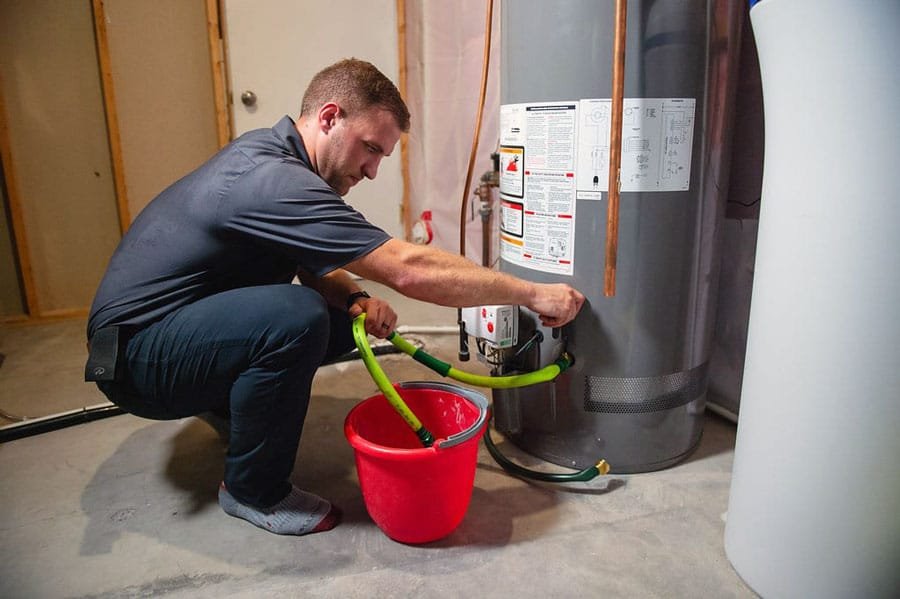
52, 423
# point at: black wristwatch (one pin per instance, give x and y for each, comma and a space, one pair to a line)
351, 299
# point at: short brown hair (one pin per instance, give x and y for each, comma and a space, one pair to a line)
355, 85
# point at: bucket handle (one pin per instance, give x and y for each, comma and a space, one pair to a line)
474, 397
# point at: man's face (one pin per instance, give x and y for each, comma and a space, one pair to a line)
353, 148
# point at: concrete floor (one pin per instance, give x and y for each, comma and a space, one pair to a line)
125, 507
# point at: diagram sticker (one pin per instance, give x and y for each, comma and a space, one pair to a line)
657, 140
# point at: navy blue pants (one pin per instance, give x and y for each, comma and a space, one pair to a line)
251, 352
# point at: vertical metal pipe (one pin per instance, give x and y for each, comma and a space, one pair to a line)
489, 18
615, 150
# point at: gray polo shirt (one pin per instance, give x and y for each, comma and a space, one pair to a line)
252, 215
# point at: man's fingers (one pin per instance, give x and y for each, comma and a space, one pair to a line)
380, 318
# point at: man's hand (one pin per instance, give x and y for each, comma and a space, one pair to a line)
380, 317
556, 303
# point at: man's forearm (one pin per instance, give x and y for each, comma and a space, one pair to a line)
440, 277
451, 280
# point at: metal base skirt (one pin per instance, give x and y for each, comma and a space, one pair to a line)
639, 425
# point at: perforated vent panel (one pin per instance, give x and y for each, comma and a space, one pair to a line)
644, 394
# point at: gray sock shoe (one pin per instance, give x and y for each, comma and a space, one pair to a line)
299, 513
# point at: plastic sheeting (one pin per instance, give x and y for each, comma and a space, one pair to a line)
445, 47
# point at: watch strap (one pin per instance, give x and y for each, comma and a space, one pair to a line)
351, 299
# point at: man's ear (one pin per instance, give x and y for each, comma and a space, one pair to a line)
328, 116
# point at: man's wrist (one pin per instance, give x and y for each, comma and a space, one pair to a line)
351, 299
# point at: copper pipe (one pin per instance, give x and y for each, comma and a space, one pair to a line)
615, 151
484, 75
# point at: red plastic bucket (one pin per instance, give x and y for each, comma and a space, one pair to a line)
418, 494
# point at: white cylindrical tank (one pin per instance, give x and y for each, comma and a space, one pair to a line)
814, 509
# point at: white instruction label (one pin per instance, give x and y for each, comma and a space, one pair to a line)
537, 184
657, 140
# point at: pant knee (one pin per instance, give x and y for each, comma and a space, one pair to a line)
294, 323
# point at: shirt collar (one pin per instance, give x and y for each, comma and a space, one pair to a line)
287, 131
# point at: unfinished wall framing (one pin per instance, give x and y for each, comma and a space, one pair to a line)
102, 105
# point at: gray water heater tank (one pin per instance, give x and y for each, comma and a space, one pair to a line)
636, 393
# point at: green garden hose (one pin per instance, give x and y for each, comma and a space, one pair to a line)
602, 467
381, 379
546, 374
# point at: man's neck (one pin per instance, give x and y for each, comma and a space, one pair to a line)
308, 136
